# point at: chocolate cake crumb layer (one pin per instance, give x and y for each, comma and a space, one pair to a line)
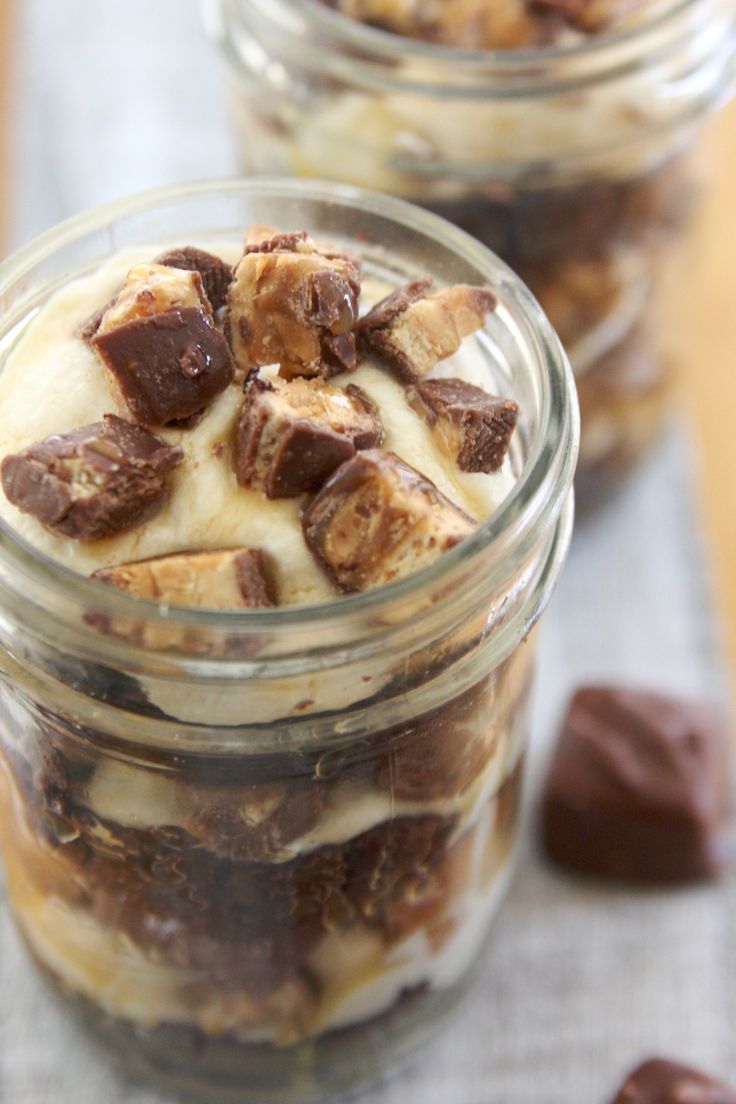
92, 482
638, 788
413, 329
473, 427
377, 520
293, 434
662, 1081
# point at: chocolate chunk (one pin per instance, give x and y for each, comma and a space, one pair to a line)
472, 427
638, 788
377, 520
660, 1081
265, 239
89, 328
160, 347
216, 274
93, 482
290, 305
292, 435
236, 578
412, 330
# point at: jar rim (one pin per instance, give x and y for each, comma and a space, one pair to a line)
354, 32
364, 56
535, 500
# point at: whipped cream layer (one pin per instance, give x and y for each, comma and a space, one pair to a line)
53, 382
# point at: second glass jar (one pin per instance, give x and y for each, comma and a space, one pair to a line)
575, 164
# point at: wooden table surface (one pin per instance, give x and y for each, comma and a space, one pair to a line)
708, 384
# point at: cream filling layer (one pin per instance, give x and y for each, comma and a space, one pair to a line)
143, 800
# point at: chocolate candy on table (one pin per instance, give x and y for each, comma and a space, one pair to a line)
92, 482
377, 519
661, 1081
292, 434
160, 347
414, 328
473, 427
638, 788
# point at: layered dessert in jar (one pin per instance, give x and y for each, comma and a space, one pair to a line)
254, 877
558, 132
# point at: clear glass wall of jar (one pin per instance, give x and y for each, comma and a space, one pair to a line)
575, 164
260, 852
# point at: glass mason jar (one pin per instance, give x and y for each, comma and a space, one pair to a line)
259, 851
573, 163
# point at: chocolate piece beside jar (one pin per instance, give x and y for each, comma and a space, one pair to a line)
377, 519
160, 347
93, 482
638, 788
292, 435
662, 1081
413, 329
473, 427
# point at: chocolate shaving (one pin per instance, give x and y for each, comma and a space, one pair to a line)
92, 482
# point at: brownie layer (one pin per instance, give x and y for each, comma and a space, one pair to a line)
271, 950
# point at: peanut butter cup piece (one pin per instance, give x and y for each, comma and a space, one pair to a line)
235, 578
292, 435
662, 1081
638, 788
291, 305
92, 482
216, 274
160, 347
413, 329
471, 426
377, 519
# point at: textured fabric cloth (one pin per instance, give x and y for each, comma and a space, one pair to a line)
581, 981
